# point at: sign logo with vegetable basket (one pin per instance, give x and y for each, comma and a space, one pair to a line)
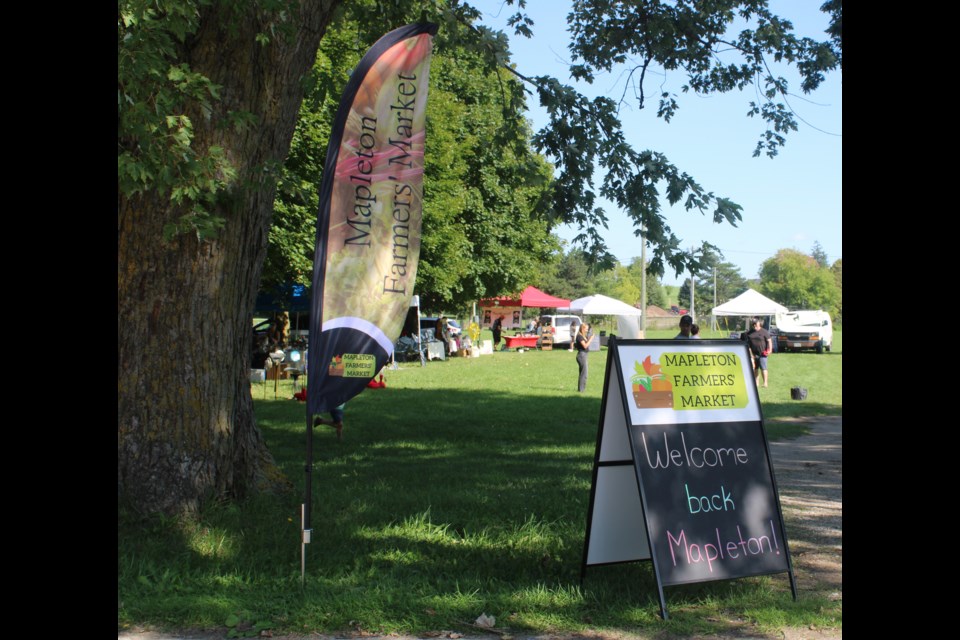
689, 382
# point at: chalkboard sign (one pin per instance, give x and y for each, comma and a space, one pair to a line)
685, 417
711, 510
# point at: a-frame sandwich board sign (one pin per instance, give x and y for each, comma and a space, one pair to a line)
682, 473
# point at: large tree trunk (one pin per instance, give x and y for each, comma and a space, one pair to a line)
185, 421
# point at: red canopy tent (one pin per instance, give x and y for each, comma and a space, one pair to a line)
531, 297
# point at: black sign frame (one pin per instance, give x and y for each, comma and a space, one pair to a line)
639, 515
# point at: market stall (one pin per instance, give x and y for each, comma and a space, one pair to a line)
510, 308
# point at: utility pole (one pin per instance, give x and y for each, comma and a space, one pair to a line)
713, 323
693, 285
643, 284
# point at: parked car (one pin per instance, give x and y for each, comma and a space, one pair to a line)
561, 325
804, 330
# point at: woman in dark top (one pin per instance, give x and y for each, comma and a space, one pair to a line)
497, 328
582, 345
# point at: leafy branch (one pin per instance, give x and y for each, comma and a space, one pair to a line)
687, 35
583, 134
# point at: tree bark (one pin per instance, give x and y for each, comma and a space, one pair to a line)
185, 423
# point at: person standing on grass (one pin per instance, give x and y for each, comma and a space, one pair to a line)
761, 344
574, 330
686, 325
497, 329
582, 344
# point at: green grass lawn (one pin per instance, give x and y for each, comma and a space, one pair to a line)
460, 489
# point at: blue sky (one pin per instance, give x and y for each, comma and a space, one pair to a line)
790, 201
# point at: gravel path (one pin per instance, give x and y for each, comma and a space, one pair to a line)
809, 473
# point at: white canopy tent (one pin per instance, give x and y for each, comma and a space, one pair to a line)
628, 317
600, 305
749, 303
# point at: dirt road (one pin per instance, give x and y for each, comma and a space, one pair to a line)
809, 473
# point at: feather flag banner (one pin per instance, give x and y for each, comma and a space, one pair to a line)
368, 223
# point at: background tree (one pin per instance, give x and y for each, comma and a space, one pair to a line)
837, 271
484, 228
623, 283
795, 280
819, 255
617, 282
718, 47
294, 225
656, 295
572, 276
729, 282
208, 95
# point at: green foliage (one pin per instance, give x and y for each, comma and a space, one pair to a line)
656, 294
469, 250
705, 42
484, 229
835, 9
819, 255
624, 283
730, 283
159, 98
837, 271
620, 283
571, 276
795, 280
293, 232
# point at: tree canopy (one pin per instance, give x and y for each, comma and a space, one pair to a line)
795, 280
719, 46
837, 271
485, 231
819, 255
209, 93
696, 39
729, 283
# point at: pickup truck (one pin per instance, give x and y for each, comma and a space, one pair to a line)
804, 330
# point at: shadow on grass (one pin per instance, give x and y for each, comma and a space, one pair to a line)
437, 506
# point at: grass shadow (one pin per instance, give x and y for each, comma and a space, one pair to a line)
461, 488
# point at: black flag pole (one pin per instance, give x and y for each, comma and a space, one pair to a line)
305, 528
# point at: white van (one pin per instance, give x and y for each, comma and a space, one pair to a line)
799, 330
562, 325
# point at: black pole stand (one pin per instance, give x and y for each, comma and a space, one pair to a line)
305, 530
